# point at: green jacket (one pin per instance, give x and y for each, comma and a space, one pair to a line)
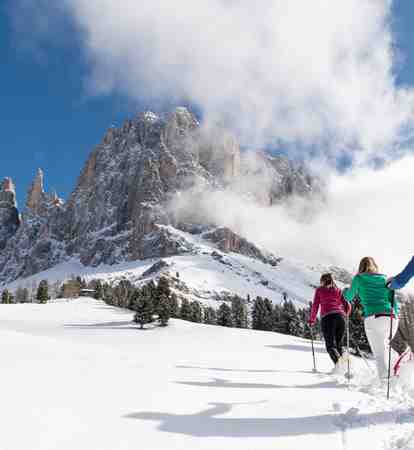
375, 297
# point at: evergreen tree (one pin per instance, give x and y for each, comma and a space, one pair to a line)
99, 291
152, 292
25, 295
142, 305
289, 323
22, 295
262, 314
276, 317
164, 311
268, 314
196, 314
174, 308
42, 295
210, 316
108, 296
81, 281
123, 294
185, 310
239, 312
224, 318
163, 287
6, 297
258, 314
303, 316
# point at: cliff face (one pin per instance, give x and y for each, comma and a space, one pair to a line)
9, 215
119, 204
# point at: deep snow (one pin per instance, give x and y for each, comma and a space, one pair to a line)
79, 375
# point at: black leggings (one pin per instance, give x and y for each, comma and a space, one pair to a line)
333, 329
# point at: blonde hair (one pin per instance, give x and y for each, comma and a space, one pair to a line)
368, 265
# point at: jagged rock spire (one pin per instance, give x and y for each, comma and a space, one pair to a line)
55, 200
8, 193
9, 216
8, 185
35, 193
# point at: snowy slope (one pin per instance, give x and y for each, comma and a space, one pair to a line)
79, 375
206, 273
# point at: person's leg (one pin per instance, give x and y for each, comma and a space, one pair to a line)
339, 332
408, 326
399, 343
403, 336
378, 332
327, 325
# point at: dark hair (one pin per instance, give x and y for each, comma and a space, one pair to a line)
327, 280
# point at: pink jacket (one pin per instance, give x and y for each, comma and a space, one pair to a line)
331, 301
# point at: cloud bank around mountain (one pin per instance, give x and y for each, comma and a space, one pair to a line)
319, 75
366, 213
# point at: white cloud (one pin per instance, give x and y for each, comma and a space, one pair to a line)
315, 72
367, 213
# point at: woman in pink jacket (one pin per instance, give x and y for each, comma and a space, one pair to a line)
334, 309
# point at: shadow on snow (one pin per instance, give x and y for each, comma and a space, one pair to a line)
220, 369
207, 424
221, 383
301, 348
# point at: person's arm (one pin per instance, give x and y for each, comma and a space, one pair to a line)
347, 305
399, 281
393, 300
350, 293
315, 307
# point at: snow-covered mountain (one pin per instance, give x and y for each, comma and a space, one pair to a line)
201, 270
79, 374
120, 209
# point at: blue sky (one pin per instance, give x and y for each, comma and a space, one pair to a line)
47, 120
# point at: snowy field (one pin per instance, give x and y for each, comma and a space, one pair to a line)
79, 375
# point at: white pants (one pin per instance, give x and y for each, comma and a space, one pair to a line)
378, 334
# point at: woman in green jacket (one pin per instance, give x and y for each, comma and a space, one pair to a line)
375, 297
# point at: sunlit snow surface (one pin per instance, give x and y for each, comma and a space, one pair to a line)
78, 374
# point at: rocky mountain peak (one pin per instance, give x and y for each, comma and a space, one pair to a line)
36, 193
121, 205
38, 201
179, 124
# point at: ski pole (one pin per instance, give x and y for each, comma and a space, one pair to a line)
389, 344
347, 349
364, 358
313, 350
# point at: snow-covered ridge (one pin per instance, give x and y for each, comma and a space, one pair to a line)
205, 273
